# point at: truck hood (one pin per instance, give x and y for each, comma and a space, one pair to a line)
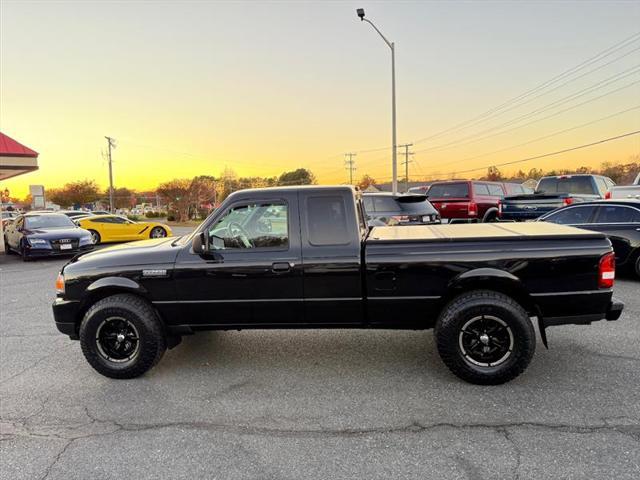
143, 252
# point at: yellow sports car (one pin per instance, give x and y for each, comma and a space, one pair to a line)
114, 228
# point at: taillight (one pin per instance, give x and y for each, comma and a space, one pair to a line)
607, 195
60, 284
567, 201
472, 209
499, 208
607, 271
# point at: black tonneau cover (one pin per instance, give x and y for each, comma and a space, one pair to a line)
478, 231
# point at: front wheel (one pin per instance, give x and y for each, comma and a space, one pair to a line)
95, 237
638, 265
158, 232
485, 337
122, 337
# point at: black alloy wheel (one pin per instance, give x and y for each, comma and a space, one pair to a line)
117, 339
486, 341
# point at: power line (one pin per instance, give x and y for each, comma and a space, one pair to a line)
544, 155
605, 53
544, 137
557, 87
471, 138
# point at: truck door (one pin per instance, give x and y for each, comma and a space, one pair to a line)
254, 272
331, 243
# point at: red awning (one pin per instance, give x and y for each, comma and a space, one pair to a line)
10, 148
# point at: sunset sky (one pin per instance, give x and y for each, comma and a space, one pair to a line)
189, 88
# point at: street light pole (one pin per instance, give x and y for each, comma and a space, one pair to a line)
394, 153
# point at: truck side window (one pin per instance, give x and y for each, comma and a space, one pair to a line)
251, 226
327, 220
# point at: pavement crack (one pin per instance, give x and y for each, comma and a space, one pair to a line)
57, 458
109, 427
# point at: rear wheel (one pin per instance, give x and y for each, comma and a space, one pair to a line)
638, 265
95, 237
122, 337
490, 217
158, 232
485, 337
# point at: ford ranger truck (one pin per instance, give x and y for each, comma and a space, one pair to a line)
303, 257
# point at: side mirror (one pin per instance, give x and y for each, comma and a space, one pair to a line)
200, 243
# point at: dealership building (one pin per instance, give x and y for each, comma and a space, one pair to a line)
15, 159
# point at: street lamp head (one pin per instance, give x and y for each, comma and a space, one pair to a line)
360, 12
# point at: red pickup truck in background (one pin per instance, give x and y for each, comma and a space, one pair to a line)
471, 200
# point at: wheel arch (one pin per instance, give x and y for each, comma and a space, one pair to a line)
491, 279
108, 286
491, 212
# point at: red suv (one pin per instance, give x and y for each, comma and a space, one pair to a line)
471, 200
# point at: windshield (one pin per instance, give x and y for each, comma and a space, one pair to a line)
449, 190
48, 221
566, 185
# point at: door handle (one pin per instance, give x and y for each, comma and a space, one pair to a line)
281, 267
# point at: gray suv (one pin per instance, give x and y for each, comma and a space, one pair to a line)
388, 209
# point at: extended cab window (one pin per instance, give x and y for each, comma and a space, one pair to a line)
327, 221
250, 226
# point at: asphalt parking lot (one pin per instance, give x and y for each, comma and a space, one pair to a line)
311, 404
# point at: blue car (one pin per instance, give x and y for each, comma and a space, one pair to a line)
45, 234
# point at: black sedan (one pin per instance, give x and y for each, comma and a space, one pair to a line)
45, 234
388, 209
618, 219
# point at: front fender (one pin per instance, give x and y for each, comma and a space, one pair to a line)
120, 283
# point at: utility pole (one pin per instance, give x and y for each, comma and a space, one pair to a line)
350, 165
111, 143
406, 163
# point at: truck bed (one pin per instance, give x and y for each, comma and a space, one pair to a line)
478, 231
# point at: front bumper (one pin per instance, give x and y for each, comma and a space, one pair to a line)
52, 252
65, 314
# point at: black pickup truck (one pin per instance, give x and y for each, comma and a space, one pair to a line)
554, 192
304, 257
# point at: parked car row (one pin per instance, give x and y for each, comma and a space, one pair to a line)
44, 234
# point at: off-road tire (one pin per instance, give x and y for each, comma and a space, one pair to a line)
151, 338
468, 306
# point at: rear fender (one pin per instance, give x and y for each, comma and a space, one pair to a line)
499, 281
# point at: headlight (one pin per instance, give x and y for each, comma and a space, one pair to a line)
85, 240
38, 241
